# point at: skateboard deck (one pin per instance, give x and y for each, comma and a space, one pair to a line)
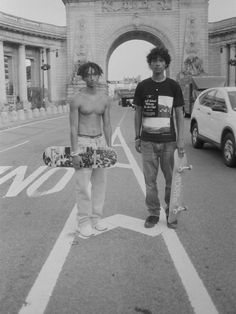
60, 156
176, 198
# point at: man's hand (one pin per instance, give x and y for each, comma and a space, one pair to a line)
181, 152
180, 147
138, 145
77, 162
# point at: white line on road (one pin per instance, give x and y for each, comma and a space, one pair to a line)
9, 148
122, 118
39, 295
31, 123
195, 289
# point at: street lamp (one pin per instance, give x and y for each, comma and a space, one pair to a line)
44, 67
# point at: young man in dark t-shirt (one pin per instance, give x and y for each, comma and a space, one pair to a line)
159, 129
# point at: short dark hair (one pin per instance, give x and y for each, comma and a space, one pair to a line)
159, 52
84, 68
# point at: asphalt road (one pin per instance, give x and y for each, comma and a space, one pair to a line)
46, 268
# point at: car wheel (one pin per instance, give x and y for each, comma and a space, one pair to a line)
196, 142
229, 150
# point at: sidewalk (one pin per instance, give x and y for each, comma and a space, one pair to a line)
20, 117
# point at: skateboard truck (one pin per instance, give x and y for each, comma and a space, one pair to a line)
181, 169
179, 209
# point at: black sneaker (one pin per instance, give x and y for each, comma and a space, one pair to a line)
151, 221
173, 224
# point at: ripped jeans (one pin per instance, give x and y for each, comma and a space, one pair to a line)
90, 185
154, 154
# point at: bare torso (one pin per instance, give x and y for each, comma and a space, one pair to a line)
91, 108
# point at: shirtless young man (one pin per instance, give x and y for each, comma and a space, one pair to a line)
89, 120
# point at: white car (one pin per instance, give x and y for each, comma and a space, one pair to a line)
213, 120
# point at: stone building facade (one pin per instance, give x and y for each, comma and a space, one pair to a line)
26, 48
222, 49
34, 55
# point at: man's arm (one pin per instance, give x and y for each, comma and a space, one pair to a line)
73, 125
107, 124
74, 122
180, 129
137, 127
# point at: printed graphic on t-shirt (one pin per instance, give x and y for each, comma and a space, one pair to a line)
157, 114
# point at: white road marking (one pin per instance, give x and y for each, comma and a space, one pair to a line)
122, 118
130, 223
136, 224
39, 295
119, 165
9, 148
195, 289
31, 123
33, 191
136, 170
20, 182
4, 169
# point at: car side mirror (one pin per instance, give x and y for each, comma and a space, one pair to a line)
219, 108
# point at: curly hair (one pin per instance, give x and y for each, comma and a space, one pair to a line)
84, 68
161, 52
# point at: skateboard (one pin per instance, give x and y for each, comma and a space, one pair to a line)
60, 156
176, 199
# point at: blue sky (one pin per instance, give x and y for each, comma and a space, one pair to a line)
41, 10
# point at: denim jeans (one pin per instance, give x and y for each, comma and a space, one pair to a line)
90, 201
154, 154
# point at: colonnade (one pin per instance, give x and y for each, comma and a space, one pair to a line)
44, 79
228, 69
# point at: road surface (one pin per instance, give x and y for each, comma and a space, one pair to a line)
46, 268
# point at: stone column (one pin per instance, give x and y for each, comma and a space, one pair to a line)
22, 77
224, 61
44, 78
232, 69
49, 73
3, 96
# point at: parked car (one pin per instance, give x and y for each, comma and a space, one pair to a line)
213, 120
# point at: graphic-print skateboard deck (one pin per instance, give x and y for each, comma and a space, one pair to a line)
60, 156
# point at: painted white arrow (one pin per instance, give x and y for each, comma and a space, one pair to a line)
132, 223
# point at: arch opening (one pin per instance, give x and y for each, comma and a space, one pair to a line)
129, 50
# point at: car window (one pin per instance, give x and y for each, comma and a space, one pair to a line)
207, 99
219, 99
232, 99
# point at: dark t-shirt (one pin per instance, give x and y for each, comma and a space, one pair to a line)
157, 100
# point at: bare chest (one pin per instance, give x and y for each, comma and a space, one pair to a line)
92, 105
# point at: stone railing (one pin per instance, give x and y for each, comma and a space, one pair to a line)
9, 117
23, 25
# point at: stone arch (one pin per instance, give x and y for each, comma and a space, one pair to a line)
180, 25
125, 34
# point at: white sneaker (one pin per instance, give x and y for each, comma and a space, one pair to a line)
100, 226
85, 230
